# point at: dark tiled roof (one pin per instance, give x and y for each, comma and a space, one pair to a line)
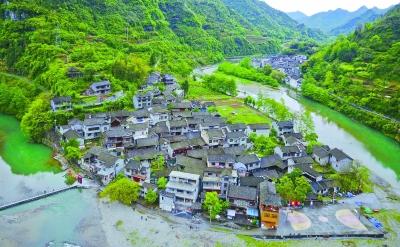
71, 135
225, 158
197, 153
320, 152
61, 100
133, 164
251, 181
285, 124
259, 126
238, 126
303, 160
147, 142
118, 132
235, 135
289, 149
138, 126
94, 121
100, 83
239, 150
268, 194
215, 133
177, 123
242, 192
248, 159
339, 154
272, 161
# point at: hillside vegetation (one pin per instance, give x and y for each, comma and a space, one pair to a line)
361, 70
120, 40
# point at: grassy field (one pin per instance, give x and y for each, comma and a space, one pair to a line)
235, 111
23, 157
197, 91
231, 108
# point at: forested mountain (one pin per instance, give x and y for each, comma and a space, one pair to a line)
339, 21
368, 16
120, 40
361, 70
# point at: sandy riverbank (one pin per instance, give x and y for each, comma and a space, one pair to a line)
144, 227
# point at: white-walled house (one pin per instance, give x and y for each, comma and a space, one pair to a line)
186, 188
321, 155
287, 152
167, 201
283, 127
259, 129
93, 127
339, 160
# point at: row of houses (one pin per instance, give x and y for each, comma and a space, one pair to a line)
202, 152
64, 103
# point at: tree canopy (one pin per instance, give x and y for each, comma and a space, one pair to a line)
123, 190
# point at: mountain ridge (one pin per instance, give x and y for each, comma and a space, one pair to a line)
339, 21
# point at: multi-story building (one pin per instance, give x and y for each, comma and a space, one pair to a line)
185, 186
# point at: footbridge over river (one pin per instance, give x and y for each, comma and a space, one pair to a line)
41, 196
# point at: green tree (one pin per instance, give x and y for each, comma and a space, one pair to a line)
158, 163
72, 153
293, 186
302, 188
37, 121
123, 190
267, 69
185, 86
162, 183
285, 188
151, 197
213, 205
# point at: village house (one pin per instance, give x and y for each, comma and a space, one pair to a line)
243, 200
61, 103
176, 148
151, 142
71, 134
158, 114
239, 127
219, 180
139, 130
139, 116
259, 129
119, 118
339, 160
142, 99
154, 78
213, 137
102, 164
234, 139
185, 186
251, 181
287, 152
99, 88
94, 126
283, 127
145, 187
269, 205
117, 138
321, 155
136, 171
74, 72
220, 160
167, 201
251, 161
271, 167
212, 122
177, 127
